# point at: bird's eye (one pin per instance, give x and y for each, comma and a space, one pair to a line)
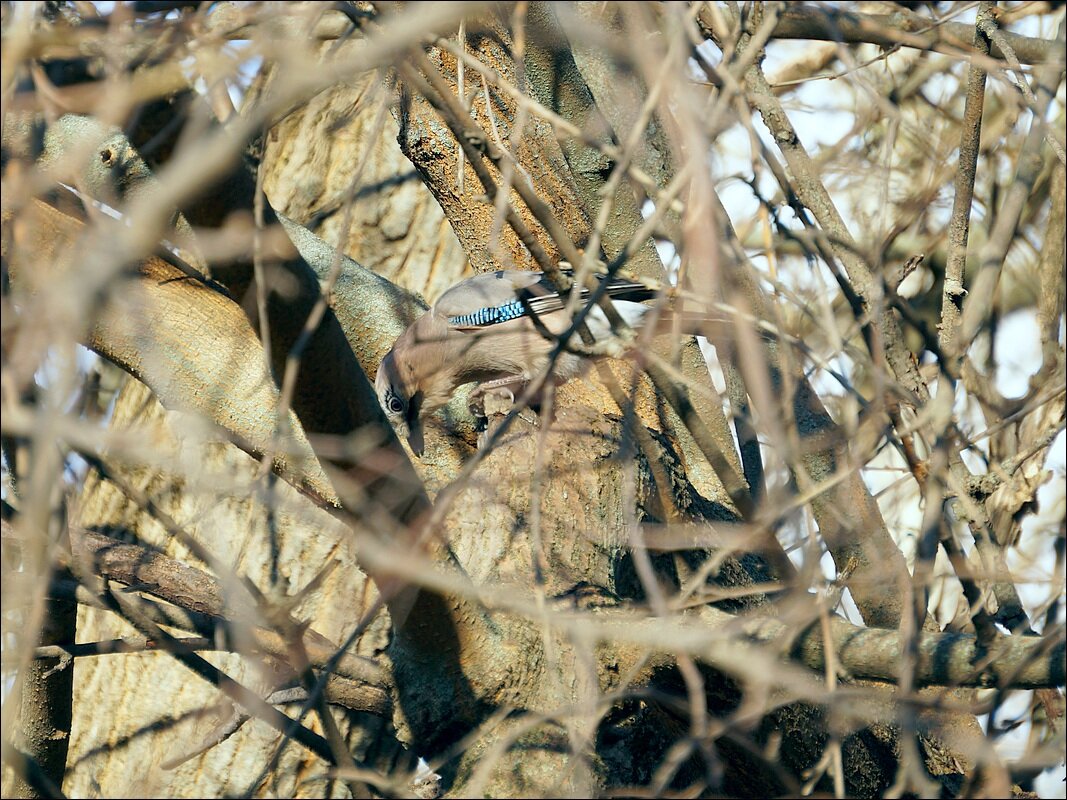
393, 404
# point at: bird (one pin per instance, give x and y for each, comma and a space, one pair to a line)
498, 329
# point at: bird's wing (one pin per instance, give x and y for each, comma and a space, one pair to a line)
487, 299
497, 297
550, 300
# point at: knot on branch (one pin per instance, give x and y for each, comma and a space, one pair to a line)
954, 288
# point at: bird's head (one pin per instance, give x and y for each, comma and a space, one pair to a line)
401, 399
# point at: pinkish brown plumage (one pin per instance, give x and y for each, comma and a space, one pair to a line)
481, 331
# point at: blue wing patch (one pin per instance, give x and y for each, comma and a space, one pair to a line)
489, 316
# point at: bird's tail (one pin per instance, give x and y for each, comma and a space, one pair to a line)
716, 325
636, 303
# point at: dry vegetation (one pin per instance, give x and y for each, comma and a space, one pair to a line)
831, 562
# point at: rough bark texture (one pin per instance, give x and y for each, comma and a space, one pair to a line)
311, 161
158, 709
515, 674
270, 534
568, 186
559, 533
548, 651
45, 713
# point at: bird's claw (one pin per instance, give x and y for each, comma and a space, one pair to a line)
487, 401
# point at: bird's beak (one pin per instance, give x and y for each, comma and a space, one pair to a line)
414, 421
415, 440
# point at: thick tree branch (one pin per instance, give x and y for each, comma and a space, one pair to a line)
46, 700
195, 590
942, 659
150, 344
353, 693
802, 21
365, 686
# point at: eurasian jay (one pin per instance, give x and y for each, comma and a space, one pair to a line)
481, 330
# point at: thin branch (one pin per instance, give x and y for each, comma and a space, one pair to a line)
960, 222
991, 258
